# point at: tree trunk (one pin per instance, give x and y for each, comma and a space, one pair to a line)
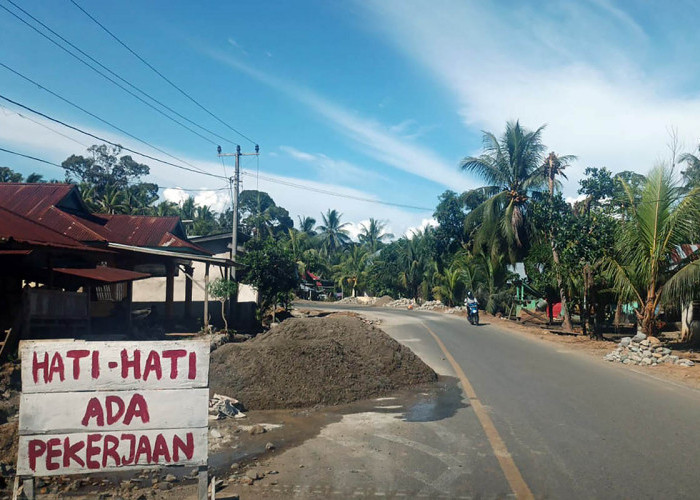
567, 326
618, 315
223, 315
649, 318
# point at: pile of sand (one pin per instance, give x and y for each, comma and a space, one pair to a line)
309, 361
384, 300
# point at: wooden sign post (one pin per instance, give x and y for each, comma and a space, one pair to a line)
102, 406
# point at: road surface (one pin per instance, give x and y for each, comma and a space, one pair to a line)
536, 419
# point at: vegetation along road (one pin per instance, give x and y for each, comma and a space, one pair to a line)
536, 420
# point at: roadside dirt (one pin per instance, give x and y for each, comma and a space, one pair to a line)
305, 362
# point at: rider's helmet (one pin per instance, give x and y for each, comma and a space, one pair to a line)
470, 295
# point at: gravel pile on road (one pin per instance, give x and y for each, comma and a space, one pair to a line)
640, 350
304, 362
432, 305
365, 301
384, 300
401, 303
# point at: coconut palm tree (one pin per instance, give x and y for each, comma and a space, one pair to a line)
372, 235
352, 269
306, 225
332, 232
552, 167
166, 208
641, 266
450, 285
112, 201
34, 178
511, 166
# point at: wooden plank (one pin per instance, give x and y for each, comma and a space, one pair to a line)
81, 453
52, 413
69, 366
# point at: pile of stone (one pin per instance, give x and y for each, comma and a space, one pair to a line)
432, 305
401, 303
365, 301
455, 310
348, 300
640, 350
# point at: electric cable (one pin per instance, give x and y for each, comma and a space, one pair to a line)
116, 75
106, 122
161, 74
53, 164
108, 141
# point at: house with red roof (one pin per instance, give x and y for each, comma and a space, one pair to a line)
63, 268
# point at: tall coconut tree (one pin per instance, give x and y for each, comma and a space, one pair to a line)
641, 266
332, 232
372, 234
552, 167
306, 225
353, 268
511, 167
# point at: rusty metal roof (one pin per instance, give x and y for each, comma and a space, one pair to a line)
32, 200
103, 274
59, 208
21, 229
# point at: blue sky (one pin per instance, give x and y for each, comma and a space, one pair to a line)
373, 99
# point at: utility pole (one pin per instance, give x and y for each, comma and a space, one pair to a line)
235, 180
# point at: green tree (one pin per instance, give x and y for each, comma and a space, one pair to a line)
641, 267
332, 233
9, 175
353, 268
104, 167
511, 166
270, 268
259, 215
450, 285
552, 167
306, 225
372, 235
222, 290
34, 178
450, 215
691, 174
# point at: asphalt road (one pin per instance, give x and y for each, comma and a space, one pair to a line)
564, 424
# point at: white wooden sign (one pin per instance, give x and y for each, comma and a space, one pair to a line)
97, 406
69, 366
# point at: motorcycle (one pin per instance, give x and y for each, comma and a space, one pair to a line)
473, 313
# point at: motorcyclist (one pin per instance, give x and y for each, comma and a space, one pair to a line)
470, 299
470, 303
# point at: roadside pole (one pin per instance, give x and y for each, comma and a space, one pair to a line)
235, 181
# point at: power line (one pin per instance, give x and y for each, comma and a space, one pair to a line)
43, 125
161, 74
116, 75
332, 193
108, 141
53, 164
96, 116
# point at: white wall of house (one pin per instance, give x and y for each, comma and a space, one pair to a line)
153, 289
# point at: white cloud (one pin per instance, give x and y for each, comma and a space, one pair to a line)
329, 168
572, 65
411, 231
371, 137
